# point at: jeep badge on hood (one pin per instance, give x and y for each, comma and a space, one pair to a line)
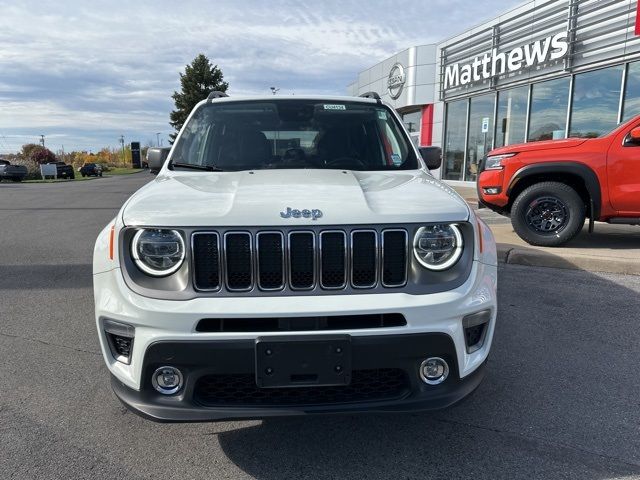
312, 214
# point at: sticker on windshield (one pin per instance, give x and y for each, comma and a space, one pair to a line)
329, 106
396, 159
382, 115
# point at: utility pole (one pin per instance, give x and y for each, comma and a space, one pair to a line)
158, 139
122, 143
42, 140
63, 153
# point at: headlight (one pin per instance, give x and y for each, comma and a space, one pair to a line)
438, 247
158, 252
494, 162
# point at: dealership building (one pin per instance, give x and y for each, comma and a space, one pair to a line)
544, 70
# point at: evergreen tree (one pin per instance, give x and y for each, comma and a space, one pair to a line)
198, 81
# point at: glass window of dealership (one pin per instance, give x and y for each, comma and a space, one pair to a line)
586, 104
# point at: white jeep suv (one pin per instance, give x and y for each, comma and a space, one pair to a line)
293, 255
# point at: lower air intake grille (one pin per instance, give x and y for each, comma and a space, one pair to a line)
474, 336
122, 345
301, 324
366, 386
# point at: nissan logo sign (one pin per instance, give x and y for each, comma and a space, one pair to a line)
396, 81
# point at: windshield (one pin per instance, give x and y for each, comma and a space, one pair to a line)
256, 135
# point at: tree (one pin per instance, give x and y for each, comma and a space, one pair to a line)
37, 153
198, 81
44, 156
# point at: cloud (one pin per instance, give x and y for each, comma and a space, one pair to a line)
95, 70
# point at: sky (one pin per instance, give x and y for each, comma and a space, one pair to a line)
84, 73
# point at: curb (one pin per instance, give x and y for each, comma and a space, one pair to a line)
515, 255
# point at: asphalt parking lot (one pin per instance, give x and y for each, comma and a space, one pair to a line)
561, 399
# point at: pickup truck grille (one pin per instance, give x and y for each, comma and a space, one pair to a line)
300, 260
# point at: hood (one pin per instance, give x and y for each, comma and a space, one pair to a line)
257, 198
543, 145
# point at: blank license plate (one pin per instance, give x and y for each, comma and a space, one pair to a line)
303, 361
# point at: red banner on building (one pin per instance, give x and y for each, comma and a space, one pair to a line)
638, 19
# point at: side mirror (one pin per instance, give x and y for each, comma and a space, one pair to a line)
634, 135
432, 156
156, 156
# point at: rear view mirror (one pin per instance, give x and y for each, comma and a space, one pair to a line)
156, 156
432, 156
634, 134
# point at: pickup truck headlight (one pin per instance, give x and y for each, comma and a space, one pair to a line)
438, 247
494, 162
158, 252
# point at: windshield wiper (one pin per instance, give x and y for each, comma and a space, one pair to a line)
193, 166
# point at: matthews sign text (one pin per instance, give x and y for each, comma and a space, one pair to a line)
494, 63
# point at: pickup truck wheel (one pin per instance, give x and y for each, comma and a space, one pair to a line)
548, 214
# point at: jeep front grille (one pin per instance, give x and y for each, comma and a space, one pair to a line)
238, 260
300, 260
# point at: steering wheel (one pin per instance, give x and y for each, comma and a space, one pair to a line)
293, 154
346, 162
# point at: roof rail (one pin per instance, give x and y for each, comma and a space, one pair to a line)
373, 95
216, 94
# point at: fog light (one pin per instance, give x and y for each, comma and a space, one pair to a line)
491, 190
167, 380
434, 370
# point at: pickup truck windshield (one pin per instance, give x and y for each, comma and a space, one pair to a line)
287, 133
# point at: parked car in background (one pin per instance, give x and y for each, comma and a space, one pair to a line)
548, 188
64, 170
15, 173
91, 170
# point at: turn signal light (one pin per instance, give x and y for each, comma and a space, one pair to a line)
111, 237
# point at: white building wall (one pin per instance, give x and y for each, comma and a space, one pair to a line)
419, 65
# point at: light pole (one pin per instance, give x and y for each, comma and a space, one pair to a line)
274, 90
122, 143
158, 139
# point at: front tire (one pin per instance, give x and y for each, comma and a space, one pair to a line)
548, 214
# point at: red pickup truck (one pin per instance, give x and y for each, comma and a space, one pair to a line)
548, 188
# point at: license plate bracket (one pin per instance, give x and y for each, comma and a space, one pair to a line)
303, 361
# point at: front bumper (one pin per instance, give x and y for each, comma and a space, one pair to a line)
159, 323
200, 361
